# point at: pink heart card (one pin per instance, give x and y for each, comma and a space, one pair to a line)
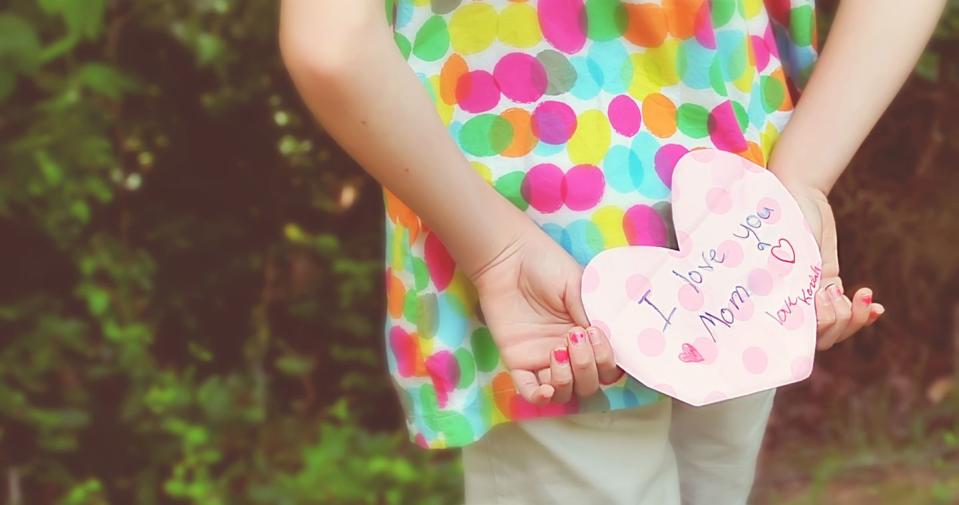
730, 313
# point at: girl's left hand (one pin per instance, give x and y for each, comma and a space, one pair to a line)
838, 317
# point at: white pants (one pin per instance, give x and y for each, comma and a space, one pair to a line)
663, 454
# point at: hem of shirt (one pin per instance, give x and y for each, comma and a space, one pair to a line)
439, 444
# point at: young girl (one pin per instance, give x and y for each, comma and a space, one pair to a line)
515, 140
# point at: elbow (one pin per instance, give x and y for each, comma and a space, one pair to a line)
316, 43
313, 57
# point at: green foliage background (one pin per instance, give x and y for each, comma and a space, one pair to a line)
191, 296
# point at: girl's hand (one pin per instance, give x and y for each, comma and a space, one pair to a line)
581, 365
530, 299
837, 316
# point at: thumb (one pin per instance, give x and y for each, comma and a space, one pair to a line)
573, 298
829, 244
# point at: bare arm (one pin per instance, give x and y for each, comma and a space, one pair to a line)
872, 48
344, 62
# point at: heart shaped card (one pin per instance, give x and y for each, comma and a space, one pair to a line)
732, 312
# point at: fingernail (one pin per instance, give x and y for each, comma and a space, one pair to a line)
867, 298
576, 336
593, 335
836, 291
829, 292
561, 355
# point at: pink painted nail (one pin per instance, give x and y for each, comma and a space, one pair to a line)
867, 298
561, 355
576, 336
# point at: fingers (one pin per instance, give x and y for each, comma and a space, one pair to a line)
861, 305
560, 375
606, 368
829, 245
842, 312
875, 312
825, 314
574, 300
839, 318
585, 375
529, 387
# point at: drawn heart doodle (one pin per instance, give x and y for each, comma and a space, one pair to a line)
784, 251
690, 354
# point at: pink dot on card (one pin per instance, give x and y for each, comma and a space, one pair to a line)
636, 286
725, 174
690, 298
744, 311
714, 396
778, 268
801, 367
703, 155
760, 281
651, 342
755, 360
685, 243
729, 253
590, 279
603, 327
795, 319
719, 201
769, 210
707, 349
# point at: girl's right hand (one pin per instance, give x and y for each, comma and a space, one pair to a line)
529, 294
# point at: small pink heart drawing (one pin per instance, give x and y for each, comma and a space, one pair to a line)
730, 313
784, 251
690, 354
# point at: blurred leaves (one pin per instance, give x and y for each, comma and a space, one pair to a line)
187, 309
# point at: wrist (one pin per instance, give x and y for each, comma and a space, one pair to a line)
797, 178
483, 230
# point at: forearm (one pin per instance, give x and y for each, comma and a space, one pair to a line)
870, 51
344, 62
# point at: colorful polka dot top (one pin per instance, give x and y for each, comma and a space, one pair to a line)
576, 111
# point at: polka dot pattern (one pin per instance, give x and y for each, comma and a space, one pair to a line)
576, 112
